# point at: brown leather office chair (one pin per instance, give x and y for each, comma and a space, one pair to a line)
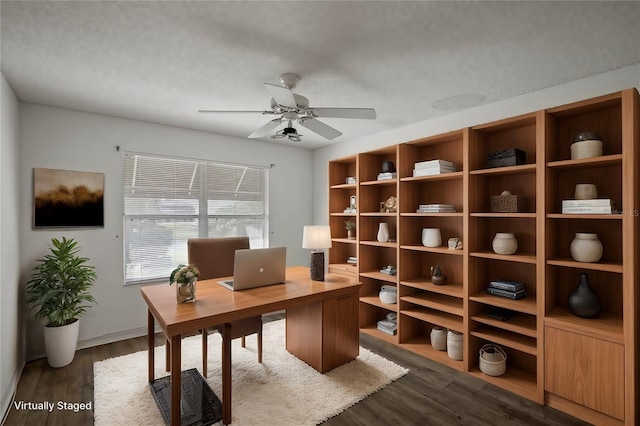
214, 258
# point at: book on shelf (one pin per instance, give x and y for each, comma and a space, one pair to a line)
431, 163
435, 208
389, 327
387, 175
501, 314
507, 285
388, 331
433, 171
589, 210
388, 323
352, 260
596, 202
514, 295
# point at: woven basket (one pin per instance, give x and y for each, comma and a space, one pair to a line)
493, 360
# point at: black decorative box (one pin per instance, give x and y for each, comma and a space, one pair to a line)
507, 157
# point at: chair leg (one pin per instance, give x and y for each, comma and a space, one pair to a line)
260, 346
204, 352
243, 342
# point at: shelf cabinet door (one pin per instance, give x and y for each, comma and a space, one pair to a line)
585, 370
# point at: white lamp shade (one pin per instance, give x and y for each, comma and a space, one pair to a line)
316, 237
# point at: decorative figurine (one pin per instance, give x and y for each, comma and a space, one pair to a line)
437, 277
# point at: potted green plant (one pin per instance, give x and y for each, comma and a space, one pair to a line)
351, 227
58, 292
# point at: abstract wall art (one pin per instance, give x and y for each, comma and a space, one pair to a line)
65, 198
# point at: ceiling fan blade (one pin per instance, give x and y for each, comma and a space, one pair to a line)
368, 113
215, 111
266, 129
320, 128
282, 95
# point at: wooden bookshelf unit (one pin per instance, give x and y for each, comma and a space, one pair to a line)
585, 367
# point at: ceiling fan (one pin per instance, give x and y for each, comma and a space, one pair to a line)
292, 107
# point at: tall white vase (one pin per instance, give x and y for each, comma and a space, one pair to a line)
383, 233
431, 237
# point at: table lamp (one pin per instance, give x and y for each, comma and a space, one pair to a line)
317, 238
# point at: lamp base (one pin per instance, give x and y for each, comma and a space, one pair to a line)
317, 266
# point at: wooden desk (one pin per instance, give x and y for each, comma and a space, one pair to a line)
322, 322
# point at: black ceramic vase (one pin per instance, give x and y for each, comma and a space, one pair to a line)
583, 302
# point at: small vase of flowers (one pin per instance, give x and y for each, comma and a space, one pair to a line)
350, 226
185, 277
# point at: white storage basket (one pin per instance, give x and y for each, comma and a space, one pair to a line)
493, 360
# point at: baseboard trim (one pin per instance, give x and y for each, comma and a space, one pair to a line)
97, 341
9, 393
114, 337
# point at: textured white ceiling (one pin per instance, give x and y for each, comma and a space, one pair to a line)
162, 61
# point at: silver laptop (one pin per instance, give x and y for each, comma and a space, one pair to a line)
257, 268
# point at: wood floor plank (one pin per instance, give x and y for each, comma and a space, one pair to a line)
430, 394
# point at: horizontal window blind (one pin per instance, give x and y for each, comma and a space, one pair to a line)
169, 200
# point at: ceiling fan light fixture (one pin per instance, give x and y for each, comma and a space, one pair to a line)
288, 132
294, 107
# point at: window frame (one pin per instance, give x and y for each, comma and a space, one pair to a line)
203, 217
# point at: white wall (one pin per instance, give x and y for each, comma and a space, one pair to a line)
559, 95
11, 341
62, 139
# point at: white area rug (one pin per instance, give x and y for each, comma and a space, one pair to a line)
282, 390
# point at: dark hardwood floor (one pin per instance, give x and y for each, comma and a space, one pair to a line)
431, 394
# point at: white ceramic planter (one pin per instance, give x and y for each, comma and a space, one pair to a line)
431, 237
60, 344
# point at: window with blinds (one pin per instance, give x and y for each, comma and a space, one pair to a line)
169, 200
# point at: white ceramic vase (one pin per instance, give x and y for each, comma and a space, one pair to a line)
383, 232
586, 247
504, 243
439, 338
454, 345
60, 344
431, 237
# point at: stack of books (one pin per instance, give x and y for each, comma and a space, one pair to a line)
352, 260
389, 326
436, 208
595, 206
505, 288
433, 167
387, 175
